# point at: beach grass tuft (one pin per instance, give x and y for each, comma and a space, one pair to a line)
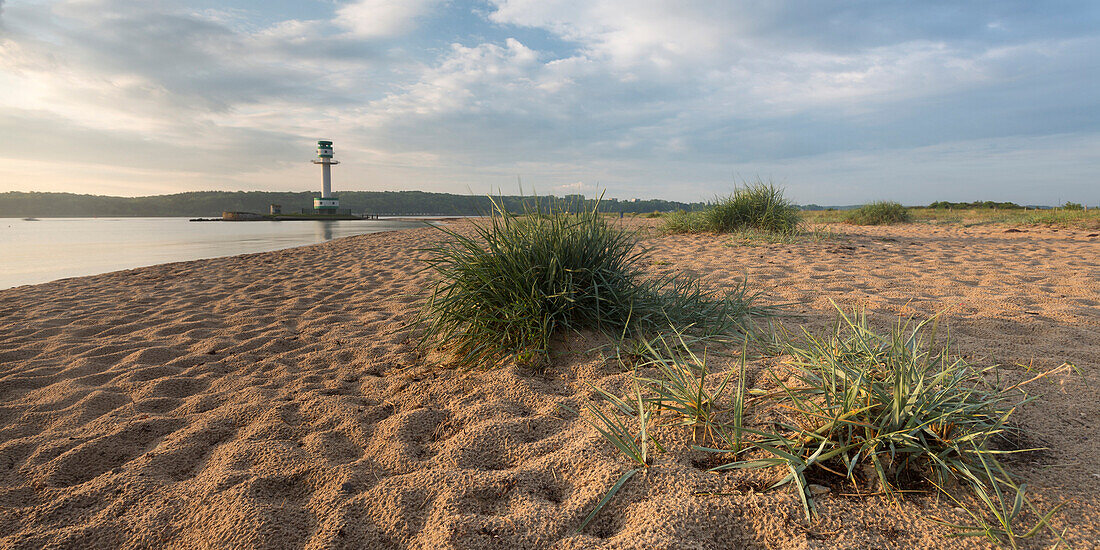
677, 391
631, 443
758, 205
892, 406
889, 412
679, 386
503, 291
878, 213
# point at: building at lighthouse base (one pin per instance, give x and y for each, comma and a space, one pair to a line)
326, 205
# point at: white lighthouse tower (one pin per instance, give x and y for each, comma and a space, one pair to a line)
326, 204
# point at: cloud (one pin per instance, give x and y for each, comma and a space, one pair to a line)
175, 76
724, 29
381, 18
470, 80
761, 60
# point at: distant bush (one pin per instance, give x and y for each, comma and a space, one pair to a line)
976, 205
1072, 206
878, 213
756, 206
760, 206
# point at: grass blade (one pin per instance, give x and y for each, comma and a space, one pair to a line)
607, 497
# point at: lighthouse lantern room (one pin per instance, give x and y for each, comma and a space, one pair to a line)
326, 203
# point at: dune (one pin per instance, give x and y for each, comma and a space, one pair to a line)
274, 401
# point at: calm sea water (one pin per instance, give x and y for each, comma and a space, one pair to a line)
53, 248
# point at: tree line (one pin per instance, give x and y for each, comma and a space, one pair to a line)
213, 203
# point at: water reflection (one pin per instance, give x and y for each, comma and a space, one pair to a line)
324, 230
52, 248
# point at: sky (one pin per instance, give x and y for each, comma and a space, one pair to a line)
837, 102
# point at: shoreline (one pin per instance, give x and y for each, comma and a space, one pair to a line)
272, 400
273, 238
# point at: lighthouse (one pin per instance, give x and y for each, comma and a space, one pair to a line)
326, 203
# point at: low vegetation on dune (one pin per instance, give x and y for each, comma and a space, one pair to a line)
503, 291
1073, 216
684, 222
1078, 218
895, 411
878, 213
758, 206
886, 413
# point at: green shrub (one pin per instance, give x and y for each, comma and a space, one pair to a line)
502, 292
759, 205
1073, 206
878, 213
756, 206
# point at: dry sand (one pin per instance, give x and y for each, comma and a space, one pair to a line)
271, 401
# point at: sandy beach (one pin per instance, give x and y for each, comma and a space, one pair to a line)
273, 401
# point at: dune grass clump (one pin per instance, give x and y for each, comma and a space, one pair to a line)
504, 291
679, 391
760, 206
889, 413
756, 206
893, 412
888, 406
878, 213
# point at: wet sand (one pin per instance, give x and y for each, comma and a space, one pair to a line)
272, 400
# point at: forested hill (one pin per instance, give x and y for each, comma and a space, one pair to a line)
213, 203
